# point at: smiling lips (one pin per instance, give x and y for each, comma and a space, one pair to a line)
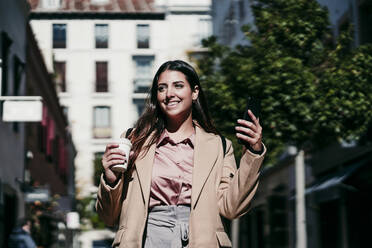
172, 103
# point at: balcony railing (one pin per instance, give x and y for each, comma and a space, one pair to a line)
101, 86
142, 85
102, 132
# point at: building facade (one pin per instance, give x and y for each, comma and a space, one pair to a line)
230, 16
13, 20
103, 55
36, 172
50, 154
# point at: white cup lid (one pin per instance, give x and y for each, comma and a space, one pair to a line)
124, 141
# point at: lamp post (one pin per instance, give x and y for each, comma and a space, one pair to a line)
301, 238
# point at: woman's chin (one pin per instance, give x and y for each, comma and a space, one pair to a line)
176, 115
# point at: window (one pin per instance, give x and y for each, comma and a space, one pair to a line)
143, 79
51, 4
99, 2
101, 122
59, 35
143, 36
140, 104
205, 29
241, 7
60, 76
5, 42
229, 26
101, 35
101, 77
65, 112
365, 19
18, 71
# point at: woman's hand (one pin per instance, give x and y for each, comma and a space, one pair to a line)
112, 156
250, 132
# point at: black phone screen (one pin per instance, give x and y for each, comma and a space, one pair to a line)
255, 106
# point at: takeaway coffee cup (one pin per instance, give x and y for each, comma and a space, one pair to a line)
124, 145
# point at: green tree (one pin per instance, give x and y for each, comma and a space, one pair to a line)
98, 169
88, 215
313, 90
86, 205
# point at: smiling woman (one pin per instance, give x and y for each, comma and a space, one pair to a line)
175, 97
180, 180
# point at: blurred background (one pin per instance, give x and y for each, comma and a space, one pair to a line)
75, 74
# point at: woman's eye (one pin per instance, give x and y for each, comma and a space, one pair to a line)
179, 86
161, 88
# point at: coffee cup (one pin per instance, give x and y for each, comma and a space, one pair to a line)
125, 145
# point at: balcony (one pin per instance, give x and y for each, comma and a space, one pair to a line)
142, 85
102, 132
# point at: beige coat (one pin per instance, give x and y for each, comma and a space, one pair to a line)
218, 188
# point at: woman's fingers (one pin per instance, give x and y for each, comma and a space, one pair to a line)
246, 131
253, 117
250, 132
249, 140
248, 135
248, 124
110, 146
114, 162
113, 156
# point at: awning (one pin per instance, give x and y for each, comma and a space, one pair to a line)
331, 186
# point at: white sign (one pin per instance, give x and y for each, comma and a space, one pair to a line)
37, 195
72, 220
22, 111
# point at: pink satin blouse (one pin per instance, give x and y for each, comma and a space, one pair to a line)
172, 171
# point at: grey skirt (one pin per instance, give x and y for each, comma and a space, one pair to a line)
168, 226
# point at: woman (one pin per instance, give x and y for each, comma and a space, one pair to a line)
180, 179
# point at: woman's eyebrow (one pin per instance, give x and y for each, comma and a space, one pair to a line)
179, 81
174, 82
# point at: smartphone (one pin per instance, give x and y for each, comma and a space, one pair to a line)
254, 105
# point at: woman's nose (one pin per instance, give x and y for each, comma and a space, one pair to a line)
170, 92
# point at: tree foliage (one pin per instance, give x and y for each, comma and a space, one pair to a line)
88, 215
313, 90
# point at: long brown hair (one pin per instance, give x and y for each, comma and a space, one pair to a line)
153, 120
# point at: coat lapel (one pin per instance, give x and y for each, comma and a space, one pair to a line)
144, 166
205, 157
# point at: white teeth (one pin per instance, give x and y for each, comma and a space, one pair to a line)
172, 103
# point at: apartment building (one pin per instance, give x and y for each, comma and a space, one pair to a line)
103, 54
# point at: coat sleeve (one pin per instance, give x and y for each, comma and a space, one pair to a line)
236, 188
109, 201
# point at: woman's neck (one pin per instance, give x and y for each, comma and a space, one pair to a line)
180, 129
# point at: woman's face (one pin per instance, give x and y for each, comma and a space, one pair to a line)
175, 95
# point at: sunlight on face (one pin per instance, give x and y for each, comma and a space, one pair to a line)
174, 94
